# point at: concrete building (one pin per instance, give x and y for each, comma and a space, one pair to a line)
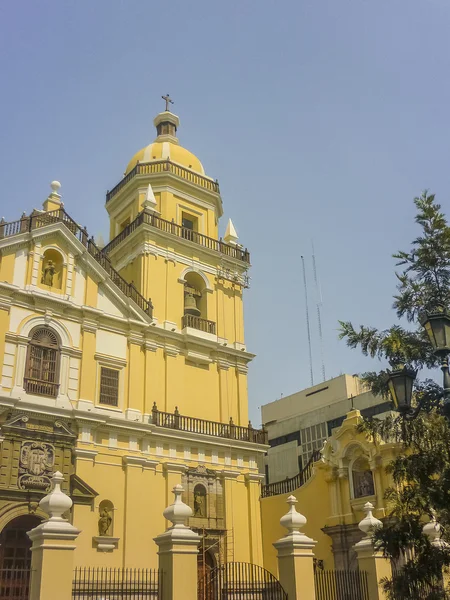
299, 424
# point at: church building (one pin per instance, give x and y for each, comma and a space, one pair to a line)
125, 367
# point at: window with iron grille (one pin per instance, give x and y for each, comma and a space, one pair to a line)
109, 386
42, 364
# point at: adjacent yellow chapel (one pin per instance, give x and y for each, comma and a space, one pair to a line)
125, 367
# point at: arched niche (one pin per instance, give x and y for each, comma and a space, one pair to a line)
195, 297
361, 478
200, 501
105, 518
51, 273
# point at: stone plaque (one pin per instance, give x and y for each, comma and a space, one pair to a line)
36, 465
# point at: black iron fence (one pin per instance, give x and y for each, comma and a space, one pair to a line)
405, 589
240, 581
341, 585
291, 483
213, 428
14, 584
91, 583
173, 228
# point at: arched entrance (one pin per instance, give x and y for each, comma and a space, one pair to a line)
205, 564
15, 557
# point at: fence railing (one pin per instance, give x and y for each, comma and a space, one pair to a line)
291, 483
213, 428
403, 588
181, 232
14, 583
41, 388
165, 166
341, 585
38, 220
240, 581
199, 323
94, 583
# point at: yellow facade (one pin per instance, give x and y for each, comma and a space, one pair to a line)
351, 472
128, 396
155, 393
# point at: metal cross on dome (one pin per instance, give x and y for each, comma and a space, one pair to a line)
168, 100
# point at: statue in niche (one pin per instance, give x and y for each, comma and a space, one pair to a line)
48, 272
199, 501
363, 482
104, 522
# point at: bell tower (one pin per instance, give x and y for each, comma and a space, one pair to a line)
164, 231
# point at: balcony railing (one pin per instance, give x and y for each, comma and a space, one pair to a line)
41, 388
181, 232
38, 220
165, 166
213, 428
199, 323
291, 483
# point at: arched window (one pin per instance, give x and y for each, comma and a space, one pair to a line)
200, 501
42, 365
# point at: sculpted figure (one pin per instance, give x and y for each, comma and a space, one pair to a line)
199, 504
48, 272
104, 522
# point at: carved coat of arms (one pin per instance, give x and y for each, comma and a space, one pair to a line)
36, 465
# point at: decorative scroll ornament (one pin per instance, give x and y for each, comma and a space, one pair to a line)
36, 463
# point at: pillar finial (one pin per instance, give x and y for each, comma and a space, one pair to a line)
56, 503
369, 523
55, 186
293, 521
178, 512
433, 531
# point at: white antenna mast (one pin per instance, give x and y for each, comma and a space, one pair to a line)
319, 310
307, 322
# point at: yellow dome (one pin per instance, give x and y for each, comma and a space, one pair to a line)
164, 150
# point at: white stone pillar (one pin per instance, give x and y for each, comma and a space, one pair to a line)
370, 560
178, 550
296, 557
52, 548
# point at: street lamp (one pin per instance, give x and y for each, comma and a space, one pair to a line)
400, 384
437, 326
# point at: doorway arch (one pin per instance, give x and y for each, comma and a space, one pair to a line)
15, 556
205, 564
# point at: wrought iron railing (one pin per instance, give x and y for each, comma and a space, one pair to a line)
341, 584
38, 220
199, 323
14, 583
291, 483
240, 581
213, 428
41, 388
165, 166
181, 232
92, 583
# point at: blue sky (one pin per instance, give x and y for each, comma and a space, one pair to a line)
321, 119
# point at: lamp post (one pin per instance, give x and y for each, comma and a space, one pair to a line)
400, 381
401, 386
437, 326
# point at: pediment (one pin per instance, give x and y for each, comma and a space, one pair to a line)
71, 243
80, 491
32, 425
